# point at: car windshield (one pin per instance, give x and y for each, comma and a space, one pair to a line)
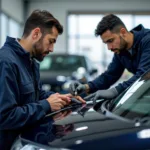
62, 62
135, 101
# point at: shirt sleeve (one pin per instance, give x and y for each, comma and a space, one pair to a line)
12, 114
109, 77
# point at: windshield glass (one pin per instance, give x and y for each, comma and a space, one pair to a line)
135, 101
62, 62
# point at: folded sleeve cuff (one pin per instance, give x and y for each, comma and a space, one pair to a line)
91, 86
46, 106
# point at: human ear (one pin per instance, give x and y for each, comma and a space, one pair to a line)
36, 34
123, 32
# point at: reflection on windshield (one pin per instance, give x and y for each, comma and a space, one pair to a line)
135, 102
131, 90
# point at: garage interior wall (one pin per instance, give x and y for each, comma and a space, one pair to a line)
11, 19
60, 9
13, 8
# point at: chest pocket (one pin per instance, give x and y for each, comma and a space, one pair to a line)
27, 93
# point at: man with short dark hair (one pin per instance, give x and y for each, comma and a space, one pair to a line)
131, 51
22, 101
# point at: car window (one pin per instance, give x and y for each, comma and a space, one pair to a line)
135, 102
46, 64
62, 62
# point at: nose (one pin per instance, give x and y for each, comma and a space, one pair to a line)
51, 48
109, 46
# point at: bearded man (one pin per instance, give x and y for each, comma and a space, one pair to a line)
131, 51
22, 100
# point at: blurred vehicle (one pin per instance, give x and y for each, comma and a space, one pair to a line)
119, 124
58, 70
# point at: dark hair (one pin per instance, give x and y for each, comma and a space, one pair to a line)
109, 22
42, 19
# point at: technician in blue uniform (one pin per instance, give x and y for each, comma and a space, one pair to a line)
131, 51
22, 101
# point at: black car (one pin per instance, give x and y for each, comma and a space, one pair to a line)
119, 124
58, 70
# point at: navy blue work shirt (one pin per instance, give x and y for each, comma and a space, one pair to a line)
22, 101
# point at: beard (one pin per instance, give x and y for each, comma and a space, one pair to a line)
38, 50
123, 47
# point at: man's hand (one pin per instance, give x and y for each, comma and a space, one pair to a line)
80, 99
77, 88
77, 97
58, 101
103, 94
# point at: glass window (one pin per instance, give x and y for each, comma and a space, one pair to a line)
4, 28
91, 48
87, 24
9, 27
14, 28
72, 24
73, 44
142, 19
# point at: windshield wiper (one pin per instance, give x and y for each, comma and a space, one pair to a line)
137, 121
87, 106
103, 110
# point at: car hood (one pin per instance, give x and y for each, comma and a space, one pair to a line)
85, 129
